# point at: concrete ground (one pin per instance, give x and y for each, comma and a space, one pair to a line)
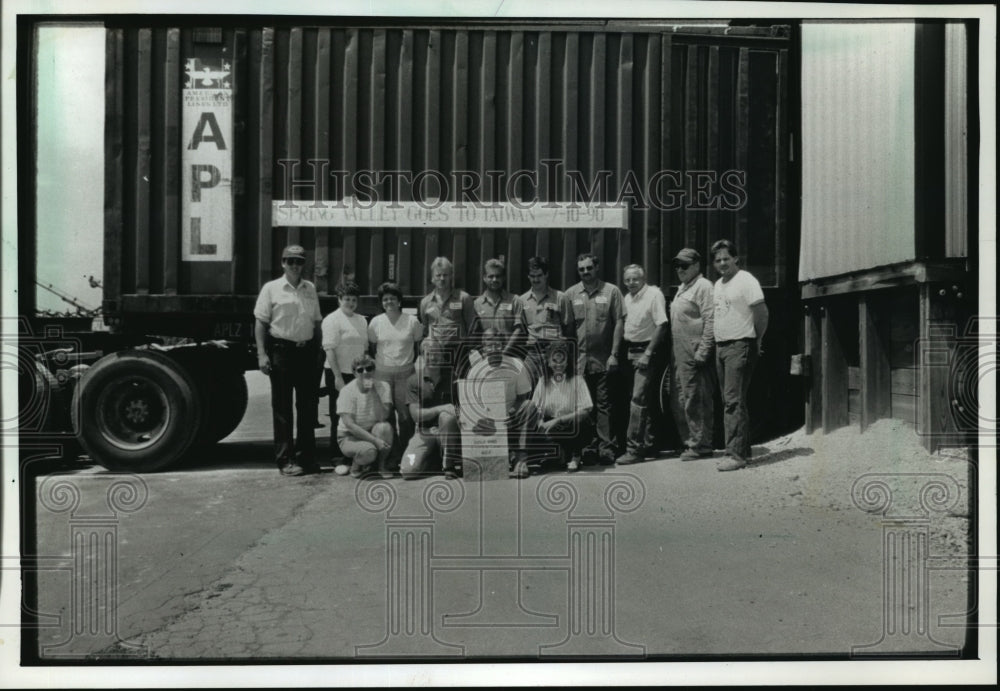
228, 560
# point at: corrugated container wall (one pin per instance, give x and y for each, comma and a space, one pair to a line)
445, 99
861, 144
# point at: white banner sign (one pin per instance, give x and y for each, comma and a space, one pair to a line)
207, 165
355, 213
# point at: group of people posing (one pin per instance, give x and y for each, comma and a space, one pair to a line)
393, 382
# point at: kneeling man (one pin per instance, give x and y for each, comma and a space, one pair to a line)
430, 398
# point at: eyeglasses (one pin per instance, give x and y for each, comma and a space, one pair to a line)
295, 261
585, 269
367, 369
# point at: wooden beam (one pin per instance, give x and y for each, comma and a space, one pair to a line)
937, 351
834, 366
814, 387
876, 385
894, 276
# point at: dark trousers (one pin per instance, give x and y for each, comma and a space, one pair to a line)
294, 370
603, 442
734, 363
332, 392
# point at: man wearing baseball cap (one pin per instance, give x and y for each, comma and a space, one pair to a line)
288, 336
691, 326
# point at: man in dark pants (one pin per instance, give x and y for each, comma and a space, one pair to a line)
288, 338
740, 322
597, 309
646, 330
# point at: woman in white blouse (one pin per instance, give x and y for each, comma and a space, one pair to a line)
345, 338
394, 337
560, 407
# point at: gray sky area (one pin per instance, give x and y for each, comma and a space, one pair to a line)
70, 163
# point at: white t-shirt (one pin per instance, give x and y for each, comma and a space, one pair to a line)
395, 341
348, 336
733, 316
554, 399
367, 407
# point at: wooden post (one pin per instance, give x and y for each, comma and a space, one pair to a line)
814, 399
936, 350
834, 366
876, 382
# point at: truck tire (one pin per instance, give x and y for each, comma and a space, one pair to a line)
136, 411
230, 397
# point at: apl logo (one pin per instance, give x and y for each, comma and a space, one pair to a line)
202, 76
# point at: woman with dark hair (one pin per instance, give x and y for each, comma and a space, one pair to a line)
394, 337
560, 406
345, 338
363, 431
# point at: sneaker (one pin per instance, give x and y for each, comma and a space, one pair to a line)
628, 458
573, 465
731, 463
606, 458
292, 468
342, 469
521, 470
690, 455
356, 470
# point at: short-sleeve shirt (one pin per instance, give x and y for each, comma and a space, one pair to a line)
447, 320
504, 315
423, 391
366, 408
733, 298
553, 399
644, 313
395, 341
291, 312
546, 317
511, 372
348, 336
596, 313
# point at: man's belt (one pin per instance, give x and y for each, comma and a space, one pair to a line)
285, 343
636, 346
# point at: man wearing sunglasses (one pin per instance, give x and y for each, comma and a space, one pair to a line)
287, 332
691, 326
597, 310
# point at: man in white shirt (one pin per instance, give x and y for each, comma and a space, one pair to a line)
287, 332
740, 322
646, 330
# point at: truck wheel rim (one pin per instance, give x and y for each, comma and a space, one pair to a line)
133, 413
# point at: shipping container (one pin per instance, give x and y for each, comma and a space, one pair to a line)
381, 144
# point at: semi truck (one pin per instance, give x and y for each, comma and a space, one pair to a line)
379, 145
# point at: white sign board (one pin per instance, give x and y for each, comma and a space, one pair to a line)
355, 213
207, 165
